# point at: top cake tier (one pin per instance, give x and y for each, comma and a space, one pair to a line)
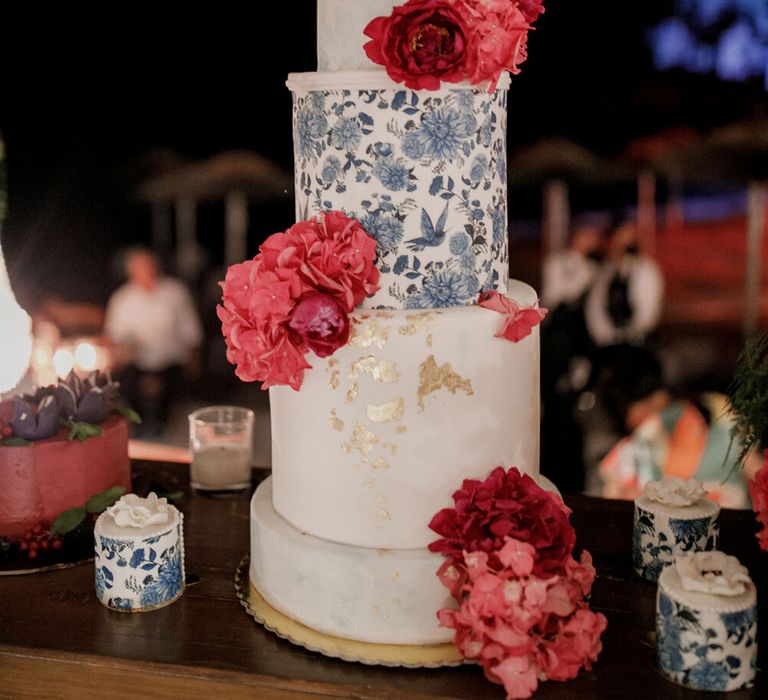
340, 38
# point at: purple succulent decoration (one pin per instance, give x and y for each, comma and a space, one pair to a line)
38, 422
89, 400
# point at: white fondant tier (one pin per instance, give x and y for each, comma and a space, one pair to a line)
385, 430
340, 27
370, 595
424, 171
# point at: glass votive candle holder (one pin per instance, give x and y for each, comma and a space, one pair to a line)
221, 441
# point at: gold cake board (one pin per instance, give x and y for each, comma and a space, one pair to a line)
408, 656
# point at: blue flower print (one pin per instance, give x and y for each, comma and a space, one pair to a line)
467, 261
502, 167
392, 174
444, 130
384, 149
478, 169
499, 225
668, 647
486, 132
346, 134
414, 145
120, 603
473, 284
691, 535
387, 230
316, 101
465, 99
310, 126
459, 243
444, 289
168, 584
708, 675
331, 170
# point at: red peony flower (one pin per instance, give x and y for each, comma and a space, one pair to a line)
422, 42
321, 322
531, 9
295, 296
758, 491
506, 504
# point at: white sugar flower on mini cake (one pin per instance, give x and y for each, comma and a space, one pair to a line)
134, 511
712, 572
674, 491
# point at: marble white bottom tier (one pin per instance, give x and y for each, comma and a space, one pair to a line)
386, 429
369, 595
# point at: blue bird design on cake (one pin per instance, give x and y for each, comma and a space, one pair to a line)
431, 234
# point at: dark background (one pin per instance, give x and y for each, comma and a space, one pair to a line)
86, 99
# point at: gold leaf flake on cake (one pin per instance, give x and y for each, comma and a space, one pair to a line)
395, 575
362, 440
384, 552
332, 362
384, 314
352, 393
382, 371
400, 429
368, 333
396, 601
384, 514
335, 422
380, 463
391, 447
368, 485
429, 340
390, 412
334, 381
415, 322
433, 377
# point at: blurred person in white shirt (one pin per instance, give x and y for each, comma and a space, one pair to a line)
154, 325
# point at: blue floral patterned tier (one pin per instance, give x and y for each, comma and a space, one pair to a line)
662, 533
425, 173
138, 572
705, 641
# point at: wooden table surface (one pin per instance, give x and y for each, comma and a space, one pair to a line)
57, 641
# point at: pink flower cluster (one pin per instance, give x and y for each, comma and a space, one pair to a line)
522, 596
296, 296
519, 321
758, 491
424, 42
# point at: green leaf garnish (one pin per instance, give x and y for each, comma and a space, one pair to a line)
101, 501
749, 395
67, 521
15, 441
129, 414
80, 430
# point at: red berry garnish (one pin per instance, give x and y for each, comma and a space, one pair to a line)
57, 543
38, 529
44, 544
6, 431
28, 535
32, 554
23, 545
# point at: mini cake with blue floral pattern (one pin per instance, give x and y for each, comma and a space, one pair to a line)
139, 554
672, 517
706, 622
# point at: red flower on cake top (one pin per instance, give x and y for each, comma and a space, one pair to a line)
758, 492
426, 42
295, 296
522, 597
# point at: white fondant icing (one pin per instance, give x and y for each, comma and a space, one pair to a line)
340, 26
133, 511
712, 572
370, 595
341, 476
674, 491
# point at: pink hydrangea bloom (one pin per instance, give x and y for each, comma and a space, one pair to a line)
758, 491
295, 296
